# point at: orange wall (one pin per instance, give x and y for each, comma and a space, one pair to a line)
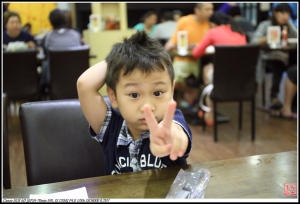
35, 13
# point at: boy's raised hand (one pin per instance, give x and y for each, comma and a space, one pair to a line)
166, 138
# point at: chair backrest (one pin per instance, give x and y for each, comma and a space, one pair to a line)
57, 145
20, 76
6, 163
65, 68
234, 72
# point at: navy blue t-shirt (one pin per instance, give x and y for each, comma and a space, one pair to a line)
117, 157
23, 37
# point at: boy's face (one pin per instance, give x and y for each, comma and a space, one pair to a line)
137, 89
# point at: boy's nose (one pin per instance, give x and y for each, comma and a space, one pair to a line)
151, 106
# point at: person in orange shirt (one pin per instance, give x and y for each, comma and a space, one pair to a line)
196, 25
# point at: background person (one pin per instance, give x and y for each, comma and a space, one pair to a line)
177, 15
224, 31
14, 31
286, 112
196, 25
275, 61
59, 38
166, 28
235, 13
27, 28
294, 13
148, 23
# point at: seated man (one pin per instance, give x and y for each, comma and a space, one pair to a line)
59, 38
196, 25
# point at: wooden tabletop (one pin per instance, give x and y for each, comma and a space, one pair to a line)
261, 176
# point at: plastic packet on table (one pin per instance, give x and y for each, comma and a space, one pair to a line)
189, 184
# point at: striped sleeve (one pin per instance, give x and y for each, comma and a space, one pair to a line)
99, 136
261, 31
292, 30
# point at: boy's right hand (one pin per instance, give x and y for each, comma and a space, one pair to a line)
166, 137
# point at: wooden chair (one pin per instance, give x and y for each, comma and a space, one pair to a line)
57, 144
234, 79
65, 68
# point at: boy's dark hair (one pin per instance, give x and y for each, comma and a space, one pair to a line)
9, 14
138, 52
57, 19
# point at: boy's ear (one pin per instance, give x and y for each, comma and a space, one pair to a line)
112, 97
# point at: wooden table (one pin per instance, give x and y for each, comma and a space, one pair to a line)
261, 176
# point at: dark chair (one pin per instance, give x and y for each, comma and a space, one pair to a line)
57, 145
65, 68
234, 79
20, 76
6, 163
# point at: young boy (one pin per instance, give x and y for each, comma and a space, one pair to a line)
147, 132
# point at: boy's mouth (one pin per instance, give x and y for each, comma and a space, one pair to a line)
143, 120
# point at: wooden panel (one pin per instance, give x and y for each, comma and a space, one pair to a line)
35, 13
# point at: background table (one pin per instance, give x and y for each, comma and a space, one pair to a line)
261, 176
290, 47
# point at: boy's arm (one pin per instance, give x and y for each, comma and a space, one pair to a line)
92, 104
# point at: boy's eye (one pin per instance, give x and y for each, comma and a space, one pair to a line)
157, 93
134, 95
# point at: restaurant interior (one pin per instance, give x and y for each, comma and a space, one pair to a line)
244, 126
